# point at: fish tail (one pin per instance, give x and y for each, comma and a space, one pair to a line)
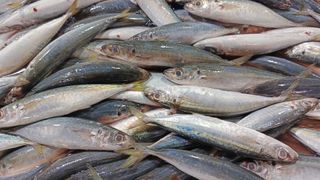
123, 14
93, 172
15, 5
38, 148
241, 60
21, 81
135, 155
73, 9
138, 86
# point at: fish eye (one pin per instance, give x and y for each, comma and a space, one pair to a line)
198, 3
179, 73
157, 96
282, 154
119, 138
252, 166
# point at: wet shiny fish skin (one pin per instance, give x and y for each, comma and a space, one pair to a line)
308, 137
91, 73
261, 43
11, 5
201, 166
280, 65
208, 100
26, 159
315, 113
8, 141
51, 57
232, 78
123, 33
74, 163
294, 16
142, 53
306, 52
306, 167
171, 141
165, 172
158, 11
278, 114
238, 12
6, 83
180, 32
226, 135
27, 175
75, 133
280, 4
56, 102
37, 12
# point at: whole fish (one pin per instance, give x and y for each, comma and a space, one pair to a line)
75, 133
123, 33
109, 111
201, 166
26, 159
74, 163
164, 172
280, 4
15, 55
199, 31
109, 6
280, 65
56, 102
91, 73
261, 43
306, 167
308, 137
149, 53
208, 100
158, 11
8, 141
51, 57
307, 87
238, 12
38, 12
306, 52
225, 135
278, 114
232, 78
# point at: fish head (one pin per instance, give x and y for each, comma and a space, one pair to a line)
183, 74
261, 168
306, 104
198, 6
119, 140
285, 154
158, 95
119, 50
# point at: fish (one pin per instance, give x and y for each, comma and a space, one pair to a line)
6, 83
76, 162
180, 32
314, 113
209, 101
50, 57
306, 52
259, 43
8, 141
158, 11
280, 65
296, 16
201, 166
238, 12
164, 172
26, 159
109, 111
307, 87
91, 73
15, 55
306, 167
279, 4
56, 102
38, 12
225, 77
225, 135
75, 133
278, 114
147, 134
308, 137
143, 53
123, 33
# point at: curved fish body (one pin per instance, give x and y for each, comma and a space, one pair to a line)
308, 137
280, 65
225, 135
262, 43
164, 172
170, 141
92, 73
278, 114
306, 167
28, 174
11, 5
149, 53
158, 11
201, 166
38, 12
123, 33
308, 52
180, 32
238, 12
135, 96
26, 159
56, 102
65, 167
8, 141
208, 100
75, 133
294, 16
232, 78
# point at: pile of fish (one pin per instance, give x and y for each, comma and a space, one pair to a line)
159, 89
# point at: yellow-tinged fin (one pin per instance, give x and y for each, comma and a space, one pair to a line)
135, 155
123, 14
15, 5
93, 173
136, 112
316, 37
21, 81
38, 148
73, 9
241, 60
138, 86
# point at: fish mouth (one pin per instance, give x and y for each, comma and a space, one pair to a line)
169, 73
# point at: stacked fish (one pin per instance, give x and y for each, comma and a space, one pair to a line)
155, 89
